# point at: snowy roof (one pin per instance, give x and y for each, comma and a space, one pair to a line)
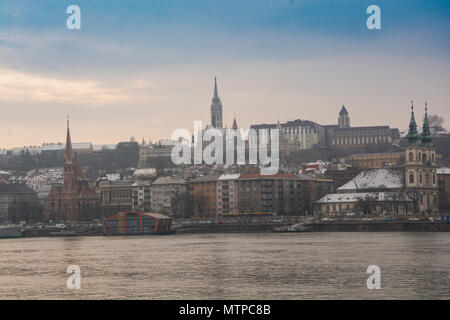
229, 176
98, 147
145, 172
81, 145
443, 170
113, 176
169, 180
353, 197
375, 179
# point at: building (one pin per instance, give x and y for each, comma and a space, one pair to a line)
408, 188
227, 193
136, 223
169, 196
420, 166
343, 135
202, 195
12, 193
116, 196
283, 194
376, 160
141, 196
299, 134
216, 109
375, 180
75, 199
336, 204
154, 156
443, 176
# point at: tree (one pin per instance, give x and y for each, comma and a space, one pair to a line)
436, 123
367, 204
22, 210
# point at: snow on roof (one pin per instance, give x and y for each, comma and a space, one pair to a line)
99, 147
145, 172
353, 197
113, 176
229, 176
169, 180
81, 145
443, 170
375, 179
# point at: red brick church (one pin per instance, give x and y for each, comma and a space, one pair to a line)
75, 199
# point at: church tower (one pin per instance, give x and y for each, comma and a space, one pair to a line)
420, 166
344, 119
216, 108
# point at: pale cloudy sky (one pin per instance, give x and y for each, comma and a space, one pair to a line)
145, 68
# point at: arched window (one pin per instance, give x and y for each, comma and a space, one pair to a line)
411, 178
411, 156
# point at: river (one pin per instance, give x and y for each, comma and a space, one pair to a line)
229, 266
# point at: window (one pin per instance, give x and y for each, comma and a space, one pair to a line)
411, 156
411, 178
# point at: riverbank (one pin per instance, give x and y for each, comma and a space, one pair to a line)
268, 227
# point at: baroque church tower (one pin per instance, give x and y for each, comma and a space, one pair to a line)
216, 108
420, 166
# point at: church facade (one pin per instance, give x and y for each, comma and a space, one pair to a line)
420, 166
75, 199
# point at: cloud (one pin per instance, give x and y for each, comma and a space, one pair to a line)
30, 88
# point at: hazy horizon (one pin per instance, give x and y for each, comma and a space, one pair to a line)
146, 68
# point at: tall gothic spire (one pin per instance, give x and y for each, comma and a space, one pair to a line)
216, 108
69, 153
412, 136
216, 95
235, 126
426, 133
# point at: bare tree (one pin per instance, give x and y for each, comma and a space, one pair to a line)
367, 204
436, 123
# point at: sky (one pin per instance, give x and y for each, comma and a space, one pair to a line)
145, 68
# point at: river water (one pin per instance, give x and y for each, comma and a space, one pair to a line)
228, 266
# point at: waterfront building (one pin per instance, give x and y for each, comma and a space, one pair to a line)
420, 166
284, 194
336, 204
414, 183
227, 193
141, 195
136, 223
375, 180
202, 195
169, 196
443, 176
75, 199
14, 193
116, 195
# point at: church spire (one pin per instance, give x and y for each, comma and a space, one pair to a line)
426, 133
216, 108
412, 136
235, 126
69, 153
216, 95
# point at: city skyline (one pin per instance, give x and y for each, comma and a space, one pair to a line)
147, 68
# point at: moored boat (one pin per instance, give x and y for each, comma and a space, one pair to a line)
10, 231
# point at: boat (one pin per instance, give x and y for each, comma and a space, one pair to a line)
10, 231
